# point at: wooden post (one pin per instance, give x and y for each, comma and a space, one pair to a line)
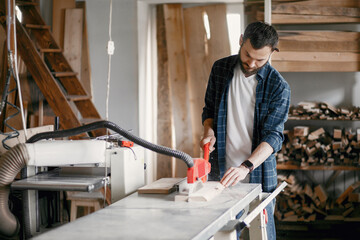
165, 164
178, 83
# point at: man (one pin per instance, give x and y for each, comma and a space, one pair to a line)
246, 106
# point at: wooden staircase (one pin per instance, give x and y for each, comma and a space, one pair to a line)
51, 71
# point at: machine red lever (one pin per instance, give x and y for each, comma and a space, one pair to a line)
206, 148
201, 167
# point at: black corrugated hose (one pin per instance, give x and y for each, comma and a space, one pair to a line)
112, 126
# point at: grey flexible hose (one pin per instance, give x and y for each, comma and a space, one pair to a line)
10, 165
110, 125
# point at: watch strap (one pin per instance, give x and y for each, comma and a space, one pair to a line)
248, 165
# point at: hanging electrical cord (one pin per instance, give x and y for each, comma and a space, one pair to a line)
12, 71
110, 51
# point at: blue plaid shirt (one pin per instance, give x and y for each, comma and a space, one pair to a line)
271, 110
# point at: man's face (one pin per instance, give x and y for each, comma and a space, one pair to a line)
252, 60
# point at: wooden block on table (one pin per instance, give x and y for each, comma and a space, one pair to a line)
210, 190
161, 186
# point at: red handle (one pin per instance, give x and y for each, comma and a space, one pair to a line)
206, 148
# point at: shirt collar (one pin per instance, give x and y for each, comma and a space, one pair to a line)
261, 74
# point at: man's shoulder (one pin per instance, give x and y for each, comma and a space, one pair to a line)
271, 74
226, 62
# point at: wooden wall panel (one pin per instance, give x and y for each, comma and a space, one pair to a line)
73, 32
201, 53
319, 41
165, 164
58, 20
85, 55
178, 83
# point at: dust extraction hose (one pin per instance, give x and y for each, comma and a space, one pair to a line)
10, 165
112, 126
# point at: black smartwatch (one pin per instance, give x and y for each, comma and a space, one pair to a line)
248, 165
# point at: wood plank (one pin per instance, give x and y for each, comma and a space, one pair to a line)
319, 46
209, 191
319, 35
73, 31
311, 10
338, 57
303, 66
85, 55
165, 164
201, 54
178, 83
307, 19
332, 3
161, 186
318, 41
58, 19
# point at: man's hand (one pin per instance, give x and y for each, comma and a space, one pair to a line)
233, 175
209, 135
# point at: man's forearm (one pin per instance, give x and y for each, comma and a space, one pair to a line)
208, 123
260, 154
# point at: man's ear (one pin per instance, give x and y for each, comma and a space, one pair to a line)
241, 40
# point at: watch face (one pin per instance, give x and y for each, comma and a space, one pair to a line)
249, 165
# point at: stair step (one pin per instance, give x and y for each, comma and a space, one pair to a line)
64, 74
34, 26
50, 50
24, 3
75, 98
89, 120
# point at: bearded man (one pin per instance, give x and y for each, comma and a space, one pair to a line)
246, 105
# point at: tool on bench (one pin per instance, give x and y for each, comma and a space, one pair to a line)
197, 175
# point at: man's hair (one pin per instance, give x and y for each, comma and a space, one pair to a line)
261, 34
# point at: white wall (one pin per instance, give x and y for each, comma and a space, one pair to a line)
123, 104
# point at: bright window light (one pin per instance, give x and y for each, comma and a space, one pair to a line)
18, 14
206, 25
234, 29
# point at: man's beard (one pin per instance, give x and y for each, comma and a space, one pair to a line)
248, 73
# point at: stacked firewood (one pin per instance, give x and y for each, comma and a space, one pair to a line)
304, 148
302, 202
322, 111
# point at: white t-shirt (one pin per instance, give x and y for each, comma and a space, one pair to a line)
240, 118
